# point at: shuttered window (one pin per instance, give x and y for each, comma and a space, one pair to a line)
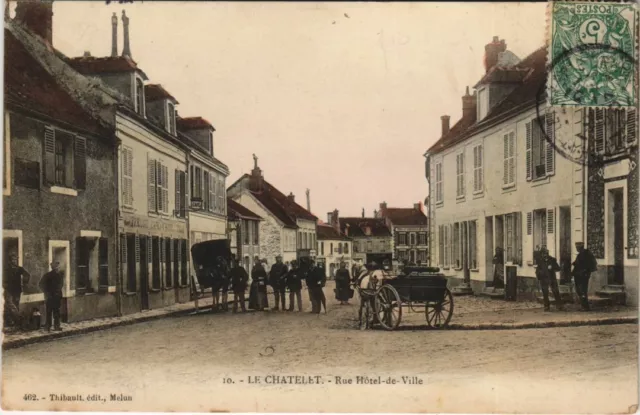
460, 175
509, 159
513, 238
151, 191
478, 172
127, 177
158, 187
206, 186
221, 196
550, 128
65, 159
181, 193
83, 280
438, 183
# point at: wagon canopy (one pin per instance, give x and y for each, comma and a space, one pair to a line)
205, 253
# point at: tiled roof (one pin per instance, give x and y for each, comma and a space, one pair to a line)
111, 64
520, 99
154, 92
355, 227
280, 205
192, 123
326, 232
406, 216
27, 83
236, 210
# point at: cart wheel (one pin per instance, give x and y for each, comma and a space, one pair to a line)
439, 313
388, 307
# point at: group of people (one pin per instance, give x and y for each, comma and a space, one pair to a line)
15, 278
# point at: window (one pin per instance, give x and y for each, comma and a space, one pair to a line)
412, 238
539, 229
245, 231
460, 175
422, 256
509, 160
181, 194
103, 262
65, 159
207, 190
346, 248
483, 104
402, 238
614, 129
321, 248
83, 255
513, 238
128, 260
540, 155
221, 195
439, 195
478, 173
140, 97
356, 246
171, 118
127, 177
256, 234
422, 238
158, 193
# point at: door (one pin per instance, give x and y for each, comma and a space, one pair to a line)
464, 250
565, 248
616, 197
489, 251
144, 273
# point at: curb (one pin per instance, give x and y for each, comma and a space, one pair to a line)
545, 324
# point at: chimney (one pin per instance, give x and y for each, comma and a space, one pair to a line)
37, 16
330, 218
445, 124
363, 212
492, 51
86, 54
126, 49
468, 104
291, 197
114, 35
308, 201
256, 180
336, 219
418, 206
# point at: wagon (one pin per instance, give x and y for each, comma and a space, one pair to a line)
211, 260
415, 288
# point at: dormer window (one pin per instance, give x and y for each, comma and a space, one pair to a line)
171, 118
483, 103
139, 98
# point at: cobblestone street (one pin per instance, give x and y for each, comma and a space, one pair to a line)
535, 370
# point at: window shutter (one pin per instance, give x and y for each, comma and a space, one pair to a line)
550, 220
632, 132
551, 139
462, 179
512, 157
151, 193
80, 162
178, 200
529, 223
505, 173
49, 155
82, 263
212, 197
165, 188
599, 130
529, 161
103, 262
185, 191
123, 249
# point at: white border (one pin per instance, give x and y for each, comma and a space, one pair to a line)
64, 191
68, 292
90, 234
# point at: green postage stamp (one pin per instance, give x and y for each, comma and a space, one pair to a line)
593, 54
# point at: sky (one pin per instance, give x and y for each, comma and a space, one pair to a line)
339, 98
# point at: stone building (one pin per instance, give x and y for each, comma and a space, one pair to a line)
372, 239
244, 228
60, 169
333, 247
532, 197
410, 230
287, 228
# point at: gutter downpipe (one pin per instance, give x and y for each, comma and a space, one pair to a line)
116, 151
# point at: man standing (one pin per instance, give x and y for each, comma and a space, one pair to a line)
315, 281
51, 285
277, 277
258, 286
14, 278
294, 284
239, 279
343, 285
583, 266
546, 273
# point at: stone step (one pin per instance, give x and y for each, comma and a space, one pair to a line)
491, 293
461, 290
616, 297
567, 298
614, 287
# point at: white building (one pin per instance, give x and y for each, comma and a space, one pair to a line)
333, 249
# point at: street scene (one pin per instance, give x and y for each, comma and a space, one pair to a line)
339, 214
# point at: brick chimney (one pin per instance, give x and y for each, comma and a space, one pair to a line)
330, 218
335, 220
114, 35
256, 180
418, 206
469, 104
445, 124
492, 51
308, 200
37, 16
126, 49
383, 209
291, 197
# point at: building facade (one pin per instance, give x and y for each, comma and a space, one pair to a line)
410, 230
371, 238
333, 248
244, 228
59, 189
531, 198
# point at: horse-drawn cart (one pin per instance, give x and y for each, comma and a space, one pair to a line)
383, 296
211, 260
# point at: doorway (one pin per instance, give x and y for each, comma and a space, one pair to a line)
565, 248
616, 236
489, 250
144, 272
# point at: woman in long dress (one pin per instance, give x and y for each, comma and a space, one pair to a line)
343, 289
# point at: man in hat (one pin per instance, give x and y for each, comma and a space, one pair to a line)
51, 285
239, 279
277, 277
583, 266
316, 279
294, 284
546, 273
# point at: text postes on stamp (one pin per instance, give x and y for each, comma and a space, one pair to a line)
593, 54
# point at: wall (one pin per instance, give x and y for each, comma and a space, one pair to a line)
43, 216
564, 188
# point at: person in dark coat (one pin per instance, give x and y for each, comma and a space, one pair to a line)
294, 284
221, 282
51, 285
546, 274
583, 266
239, 280
277, 277
13, 279
343, 285
498, 268
316, 279
259, 287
